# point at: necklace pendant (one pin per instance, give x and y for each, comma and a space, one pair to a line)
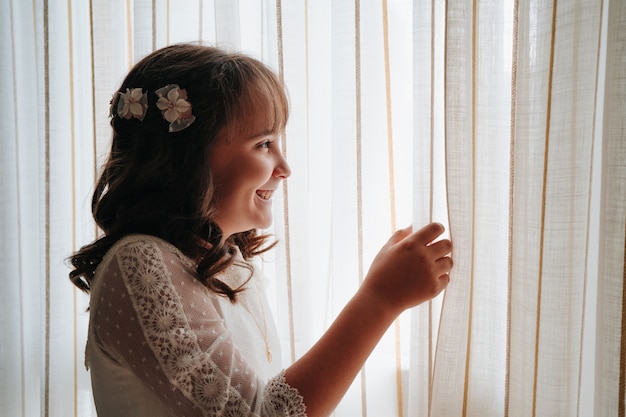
268, 352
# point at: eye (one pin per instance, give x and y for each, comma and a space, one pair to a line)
266, 144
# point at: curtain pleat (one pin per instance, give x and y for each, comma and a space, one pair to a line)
555, 85
60, 311
227, 24
450, 373
504, 121
429, 202
610, 346
553, 131
21, 215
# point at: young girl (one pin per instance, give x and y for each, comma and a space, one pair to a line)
179, 324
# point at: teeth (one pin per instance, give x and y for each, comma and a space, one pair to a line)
264, 194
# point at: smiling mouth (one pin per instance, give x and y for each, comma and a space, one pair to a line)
265, 194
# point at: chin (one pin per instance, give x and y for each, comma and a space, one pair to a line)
264, 226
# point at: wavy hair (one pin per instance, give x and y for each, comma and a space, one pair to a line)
159, 183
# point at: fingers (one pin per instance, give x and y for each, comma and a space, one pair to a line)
428, 233
424, 237
444, 265
441, 275
399, 235
440, 278
440, 251
412, 267
441, 248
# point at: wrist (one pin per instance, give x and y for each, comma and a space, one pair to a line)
379, 304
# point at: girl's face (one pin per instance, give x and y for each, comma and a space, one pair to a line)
247, 166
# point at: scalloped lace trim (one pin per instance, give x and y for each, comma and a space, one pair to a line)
284, 399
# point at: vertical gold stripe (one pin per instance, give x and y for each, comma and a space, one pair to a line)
392, 186
392, 193
75, 336
359, 172
129, 33
445, 106
447, 188
72, 118
398, 352
281, 74
70, 33
167, 22
93, 98
468, 354
621, 407
588, 224
200, 19
507, 372
306, 84
431, 194
46, 57
431, 360
543, 208
279, 39
432, 112
359, 156
363, 392
96, 231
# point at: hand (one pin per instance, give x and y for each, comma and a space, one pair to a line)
410, 268
407, 271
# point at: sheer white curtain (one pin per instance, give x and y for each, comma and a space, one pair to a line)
504, 120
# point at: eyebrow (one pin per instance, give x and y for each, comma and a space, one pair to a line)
259, 133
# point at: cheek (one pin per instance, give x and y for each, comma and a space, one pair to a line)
238, 177
224, 173
232, 189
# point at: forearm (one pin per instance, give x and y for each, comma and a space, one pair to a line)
409, 270
325, 372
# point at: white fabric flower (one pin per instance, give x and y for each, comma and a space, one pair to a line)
174, 107
132, 103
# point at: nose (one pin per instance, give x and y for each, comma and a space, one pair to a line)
282, 169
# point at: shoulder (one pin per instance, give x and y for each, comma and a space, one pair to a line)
142, 246
147, 264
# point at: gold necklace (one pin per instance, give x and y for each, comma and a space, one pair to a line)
263, 330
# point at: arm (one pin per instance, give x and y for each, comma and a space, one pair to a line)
409, 270
154, 320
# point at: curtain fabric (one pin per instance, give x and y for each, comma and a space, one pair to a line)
610, 356
505, 121
519, 187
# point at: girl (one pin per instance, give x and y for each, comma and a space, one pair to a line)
179, 324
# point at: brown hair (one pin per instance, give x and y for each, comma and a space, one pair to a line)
159, 183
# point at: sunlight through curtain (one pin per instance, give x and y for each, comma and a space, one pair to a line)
503, 120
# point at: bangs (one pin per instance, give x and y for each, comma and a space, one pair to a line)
263, 98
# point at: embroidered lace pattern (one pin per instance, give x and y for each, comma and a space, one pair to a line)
185, 353
281, 398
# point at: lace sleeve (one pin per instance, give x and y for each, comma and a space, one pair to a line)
180, 350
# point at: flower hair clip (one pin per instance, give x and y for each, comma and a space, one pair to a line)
174, 107
132, 104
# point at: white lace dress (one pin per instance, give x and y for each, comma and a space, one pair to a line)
161, 344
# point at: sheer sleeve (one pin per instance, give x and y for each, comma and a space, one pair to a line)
160, 322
